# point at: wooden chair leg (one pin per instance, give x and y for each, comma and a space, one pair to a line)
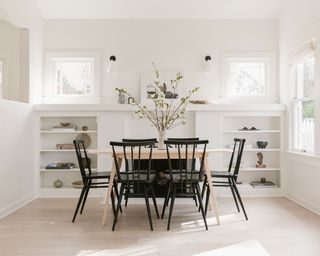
207, 200
233, 194
146, 196
118, 206
201, 206
79, 202
195, 198
113, 203
204, 187
166, 200
239, 198
115, 186
85, 196
154, 201
173, 196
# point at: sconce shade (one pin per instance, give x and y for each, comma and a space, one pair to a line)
208, 64
112, 69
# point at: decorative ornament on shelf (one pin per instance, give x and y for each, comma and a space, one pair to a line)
121, 98
166, 113
260, 163
57, 183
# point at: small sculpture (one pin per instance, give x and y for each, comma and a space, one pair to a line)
260, 163
58, 183
121, 97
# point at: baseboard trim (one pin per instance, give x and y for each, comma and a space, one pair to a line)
16, 205
304, 203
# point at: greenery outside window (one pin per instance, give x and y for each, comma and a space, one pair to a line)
303, 104
72, 78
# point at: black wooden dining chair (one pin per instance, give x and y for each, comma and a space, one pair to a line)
229, 178
143, 163
183, 172
175, 162
134, 174
90, 179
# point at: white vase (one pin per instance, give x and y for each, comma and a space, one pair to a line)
161, 137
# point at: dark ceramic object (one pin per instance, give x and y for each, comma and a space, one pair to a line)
262, 144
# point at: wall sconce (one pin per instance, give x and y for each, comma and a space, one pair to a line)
208, 64
112, 69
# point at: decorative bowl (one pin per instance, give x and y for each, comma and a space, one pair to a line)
77, 184
262, 144
65, 124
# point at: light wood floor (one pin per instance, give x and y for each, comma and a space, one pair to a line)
44, 227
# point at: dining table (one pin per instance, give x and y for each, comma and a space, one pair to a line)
160, 154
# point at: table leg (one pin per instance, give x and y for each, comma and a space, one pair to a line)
109, 190
212, 195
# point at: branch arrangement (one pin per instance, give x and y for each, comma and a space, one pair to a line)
167, 113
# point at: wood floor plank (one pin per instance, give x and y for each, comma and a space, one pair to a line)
44, 227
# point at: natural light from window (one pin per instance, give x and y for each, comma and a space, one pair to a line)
1, 78
247, 78
74, 77
303, 78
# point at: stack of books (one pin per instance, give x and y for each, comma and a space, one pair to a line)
259, 184
60, 166
64, 128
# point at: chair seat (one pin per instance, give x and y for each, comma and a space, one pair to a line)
135, 177
222, 174
177, 178
99, 175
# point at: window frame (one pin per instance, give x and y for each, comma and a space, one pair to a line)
266, 57
49, 93
296, 58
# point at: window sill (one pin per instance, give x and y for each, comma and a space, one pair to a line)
304, 158
72, 100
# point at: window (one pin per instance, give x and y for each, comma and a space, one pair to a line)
71, 78
1, 78
303, 80
247, 75
74, 77
247, 78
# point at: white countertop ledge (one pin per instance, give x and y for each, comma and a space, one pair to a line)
129, 108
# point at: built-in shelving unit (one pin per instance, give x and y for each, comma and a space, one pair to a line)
48, 152
219, 123
269, 129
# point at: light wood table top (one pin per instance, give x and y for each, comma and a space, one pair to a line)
157, 153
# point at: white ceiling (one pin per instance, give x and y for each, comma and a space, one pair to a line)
161, 9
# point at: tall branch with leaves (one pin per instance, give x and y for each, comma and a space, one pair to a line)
167, 113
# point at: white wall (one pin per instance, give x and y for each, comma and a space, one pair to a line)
171, 44
25, 14
10, 54
300, 22
17, 153
17, 122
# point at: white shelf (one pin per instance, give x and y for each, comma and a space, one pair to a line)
254, 169
257, 131
65, 170
262, 150
67, 132
257, 150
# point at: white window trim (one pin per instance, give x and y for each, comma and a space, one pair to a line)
49, 94
267, 57
5, 57
298, 55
